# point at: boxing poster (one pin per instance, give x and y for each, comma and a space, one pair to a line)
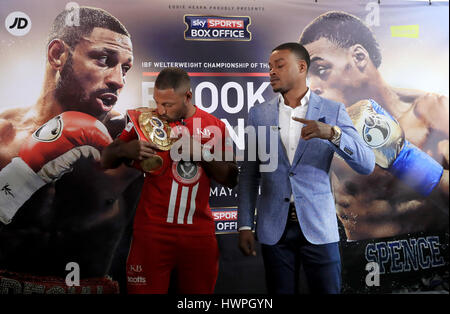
393, 223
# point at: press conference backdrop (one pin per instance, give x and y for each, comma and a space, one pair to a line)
225, 46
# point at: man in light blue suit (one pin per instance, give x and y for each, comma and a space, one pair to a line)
296, 215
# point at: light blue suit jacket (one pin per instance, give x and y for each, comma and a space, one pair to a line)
307, 178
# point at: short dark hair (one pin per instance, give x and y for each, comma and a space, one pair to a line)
297, 49
344, 30
175, 78
89, 18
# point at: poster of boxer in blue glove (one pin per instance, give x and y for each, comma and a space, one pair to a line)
406, 127
387, 62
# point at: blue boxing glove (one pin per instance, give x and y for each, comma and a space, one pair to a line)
393, 152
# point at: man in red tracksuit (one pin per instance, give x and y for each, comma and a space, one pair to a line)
173, 226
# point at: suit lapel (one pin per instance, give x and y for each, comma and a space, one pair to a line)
313, 113
272, 112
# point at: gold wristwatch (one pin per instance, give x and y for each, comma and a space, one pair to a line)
335, 139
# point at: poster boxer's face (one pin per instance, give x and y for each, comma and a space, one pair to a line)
171, 104
284, 70
332, 73
94, 74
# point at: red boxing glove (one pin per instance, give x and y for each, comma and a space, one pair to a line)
48, 154
58, 137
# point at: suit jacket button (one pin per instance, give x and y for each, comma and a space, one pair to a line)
291, 174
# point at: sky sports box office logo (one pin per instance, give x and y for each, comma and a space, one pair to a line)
219, 28
225, 219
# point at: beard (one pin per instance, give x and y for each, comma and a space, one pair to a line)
71, 95
178, 116
277, 89
281, 89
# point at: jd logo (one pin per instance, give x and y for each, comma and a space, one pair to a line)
18, 23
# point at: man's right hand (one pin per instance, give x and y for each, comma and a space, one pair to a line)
138, 150
247, 242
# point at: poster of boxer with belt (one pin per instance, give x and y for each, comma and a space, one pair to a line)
68, 83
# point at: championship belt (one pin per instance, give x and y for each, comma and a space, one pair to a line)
152, 128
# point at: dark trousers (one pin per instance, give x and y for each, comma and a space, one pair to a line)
321, 263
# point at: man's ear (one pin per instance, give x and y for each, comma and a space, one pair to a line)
189, 95
57, 54
302, 66
360, 56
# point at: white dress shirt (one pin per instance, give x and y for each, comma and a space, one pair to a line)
290, 130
